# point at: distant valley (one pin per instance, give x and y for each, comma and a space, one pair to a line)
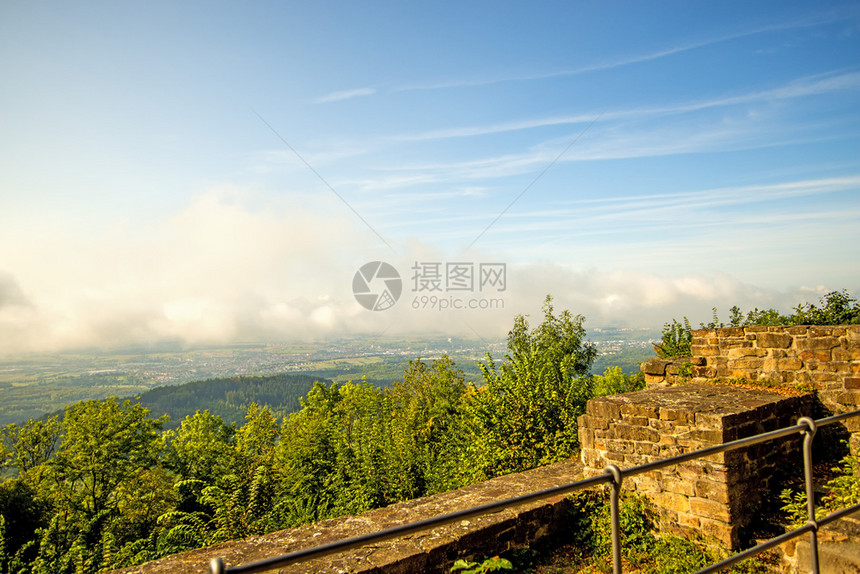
35, 385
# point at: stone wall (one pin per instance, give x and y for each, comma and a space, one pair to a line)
823, 358
715, 496
432, 551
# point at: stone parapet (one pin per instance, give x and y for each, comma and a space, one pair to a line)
432, 551
717, 495
823, 358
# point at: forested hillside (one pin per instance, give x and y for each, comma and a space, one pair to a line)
107, 486
229, 398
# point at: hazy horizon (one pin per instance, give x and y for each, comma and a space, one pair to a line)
212, 176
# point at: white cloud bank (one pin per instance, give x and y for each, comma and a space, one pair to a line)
224, 270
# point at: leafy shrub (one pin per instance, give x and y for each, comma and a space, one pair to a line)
676, 340
493, 564
842, 491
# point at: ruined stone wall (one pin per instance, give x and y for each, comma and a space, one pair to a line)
715, 496
428, 552
825, 358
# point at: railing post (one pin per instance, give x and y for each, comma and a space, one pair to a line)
616, 521
216, 566
808, 435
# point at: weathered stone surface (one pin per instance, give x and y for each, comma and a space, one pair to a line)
730, 332
705, 350
816, 343
718, 489
427, 551
655, 367
774, 340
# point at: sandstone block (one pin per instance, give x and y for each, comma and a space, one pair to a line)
735, 343
654, 367
789, 364
816, 343
592, 422
672, 501
774, 340
654, 380
821, 330
748, 363
705, 350
851, 397
710, 509
604, 407
689, 521
849, 354
723, 533
678, 486
710, 490
703, 332
851, 382
730, 332
741, 352
806, 356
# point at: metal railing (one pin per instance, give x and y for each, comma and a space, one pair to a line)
614, 476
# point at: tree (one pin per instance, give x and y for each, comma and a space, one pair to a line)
427, 425
105, 445
614, 381
107, 450
526, 415
30, 446
201, 448
307, 456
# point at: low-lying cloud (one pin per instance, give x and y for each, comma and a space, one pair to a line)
224, 269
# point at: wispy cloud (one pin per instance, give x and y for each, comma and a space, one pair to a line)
659, 208
817, 20
801, 87
344, 95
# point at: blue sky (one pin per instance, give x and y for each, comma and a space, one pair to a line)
217, 172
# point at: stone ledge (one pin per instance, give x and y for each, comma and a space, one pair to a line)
427, 551
715, 495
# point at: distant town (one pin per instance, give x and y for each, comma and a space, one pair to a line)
33, 385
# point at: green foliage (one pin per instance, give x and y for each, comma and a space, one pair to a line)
614, 381
643, 548
200, 448
493, 564
105, 444
767, 317
843, 490
104, 486
229, 398
837, 308
675, 341
526, 415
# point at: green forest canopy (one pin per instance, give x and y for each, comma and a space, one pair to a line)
107, 486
